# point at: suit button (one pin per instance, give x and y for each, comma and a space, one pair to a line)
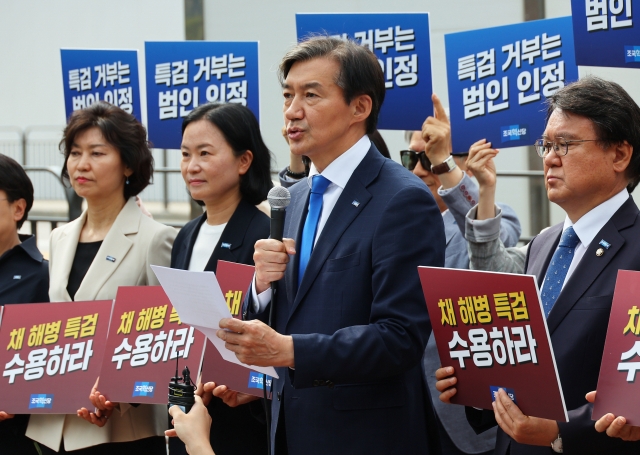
278, 395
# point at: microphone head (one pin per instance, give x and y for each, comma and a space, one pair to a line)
279, 197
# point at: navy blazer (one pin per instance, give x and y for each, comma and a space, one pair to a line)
578, 326
359, 320
246, 226
233, 430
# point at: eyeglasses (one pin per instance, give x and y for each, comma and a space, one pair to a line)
560, 146
409, 159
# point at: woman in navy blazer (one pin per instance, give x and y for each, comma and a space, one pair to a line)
226, 167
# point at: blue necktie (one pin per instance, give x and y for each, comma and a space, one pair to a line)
319, 185
557, 271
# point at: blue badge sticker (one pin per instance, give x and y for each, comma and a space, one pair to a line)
255, 380
605, 244
510, 392
41, 400
144, 389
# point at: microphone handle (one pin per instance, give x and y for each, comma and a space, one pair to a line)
277, 229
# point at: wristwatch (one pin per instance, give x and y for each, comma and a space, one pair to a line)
556, 445
447, 165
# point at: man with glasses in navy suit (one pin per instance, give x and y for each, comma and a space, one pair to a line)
591, 153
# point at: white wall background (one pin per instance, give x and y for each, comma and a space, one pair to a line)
32, 32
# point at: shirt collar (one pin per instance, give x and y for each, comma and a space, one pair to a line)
588, 226
339, 171
28, 245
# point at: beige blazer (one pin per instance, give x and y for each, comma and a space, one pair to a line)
136, 242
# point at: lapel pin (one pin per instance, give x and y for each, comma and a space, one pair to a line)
17, 277
599, 252
226, 245
111, 259
605, 244
355, 203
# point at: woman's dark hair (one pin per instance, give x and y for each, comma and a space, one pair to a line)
121, 130
360, 72
240, 129
16, 184
615, 115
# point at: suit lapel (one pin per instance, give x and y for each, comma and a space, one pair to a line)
542, 257
591, 266
342, 215
187, 247
232, 236
115, 245
65, 253
293, 223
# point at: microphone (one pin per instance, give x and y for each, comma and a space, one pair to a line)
279, 198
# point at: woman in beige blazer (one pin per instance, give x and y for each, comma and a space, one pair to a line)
108, 162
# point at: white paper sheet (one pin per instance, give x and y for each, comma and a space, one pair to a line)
198, 299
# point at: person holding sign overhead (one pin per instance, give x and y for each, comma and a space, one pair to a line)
108, 162
591, 153
227, 167
430, 158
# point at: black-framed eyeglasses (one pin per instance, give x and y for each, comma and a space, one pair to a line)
560, 146
409, 159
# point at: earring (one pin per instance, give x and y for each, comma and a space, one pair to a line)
127, 182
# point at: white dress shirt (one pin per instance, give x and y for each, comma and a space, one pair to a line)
588, 226
208, 238
338, 172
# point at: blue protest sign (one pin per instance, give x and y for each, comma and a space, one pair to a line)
499, 78
402, 44
606, 33
92, 75
183, 75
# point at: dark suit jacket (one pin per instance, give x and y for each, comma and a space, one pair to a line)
578, 326
233, 430
359, 321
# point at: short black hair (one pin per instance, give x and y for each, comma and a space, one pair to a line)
241, 130
360, 73
16, 184
615, 115
120, 129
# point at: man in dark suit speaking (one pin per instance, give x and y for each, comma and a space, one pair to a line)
591, 153
350, 322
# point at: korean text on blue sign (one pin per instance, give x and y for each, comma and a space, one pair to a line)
402, 44
183, 75
95, 75
499, 78
606, 33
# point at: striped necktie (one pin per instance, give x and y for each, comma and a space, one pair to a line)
557, 271
318, 187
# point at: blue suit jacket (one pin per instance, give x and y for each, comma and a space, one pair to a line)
359, 321
578, 325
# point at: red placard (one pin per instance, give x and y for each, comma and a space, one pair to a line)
491, 328
145, 339
51, 355
619, 380
234, 280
